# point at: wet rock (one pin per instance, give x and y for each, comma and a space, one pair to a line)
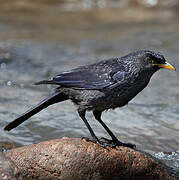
7, 169
75, 159
4, 146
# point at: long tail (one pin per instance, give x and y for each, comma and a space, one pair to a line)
45, 82
52, 99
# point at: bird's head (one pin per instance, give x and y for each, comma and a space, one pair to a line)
150, 60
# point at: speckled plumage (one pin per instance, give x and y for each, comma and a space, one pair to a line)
115, 83
105, 85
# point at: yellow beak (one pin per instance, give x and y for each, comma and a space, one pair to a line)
166, 66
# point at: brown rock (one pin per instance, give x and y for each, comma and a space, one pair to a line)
77, 159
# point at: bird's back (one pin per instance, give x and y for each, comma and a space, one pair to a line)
117, 94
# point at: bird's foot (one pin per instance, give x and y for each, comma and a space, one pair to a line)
101, 143
116, 142
129, 145
104, 142
89, 140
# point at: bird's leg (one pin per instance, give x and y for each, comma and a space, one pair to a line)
115, 141
95, 139
97, 115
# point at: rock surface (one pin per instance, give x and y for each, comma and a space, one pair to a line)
7, 169
75, 159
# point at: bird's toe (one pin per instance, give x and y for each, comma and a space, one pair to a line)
115, 143
129, 145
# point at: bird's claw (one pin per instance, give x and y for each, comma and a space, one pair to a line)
132, 146
89, 140
104, 142
115, 143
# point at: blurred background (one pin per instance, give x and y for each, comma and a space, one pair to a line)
41, 38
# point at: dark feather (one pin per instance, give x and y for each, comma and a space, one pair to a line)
52, 99
96, 76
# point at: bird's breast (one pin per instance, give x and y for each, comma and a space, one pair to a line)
122, 94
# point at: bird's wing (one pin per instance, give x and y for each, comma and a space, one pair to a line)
88, 77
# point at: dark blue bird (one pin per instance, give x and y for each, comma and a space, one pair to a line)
98, 87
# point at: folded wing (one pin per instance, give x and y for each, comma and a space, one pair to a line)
88, 77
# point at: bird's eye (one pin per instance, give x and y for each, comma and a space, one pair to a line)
149, 60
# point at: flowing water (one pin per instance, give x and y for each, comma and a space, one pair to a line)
38, 43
